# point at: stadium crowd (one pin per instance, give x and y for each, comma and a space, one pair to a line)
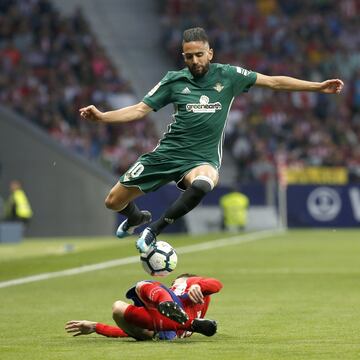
309, 39
50, 66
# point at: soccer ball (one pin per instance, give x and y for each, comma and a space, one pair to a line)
160, 260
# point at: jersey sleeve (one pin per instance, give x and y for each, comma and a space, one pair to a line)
110, 331
209, 286
242, 79
160, 95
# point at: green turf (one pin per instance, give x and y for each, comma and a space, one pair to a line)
292, 296
37, 256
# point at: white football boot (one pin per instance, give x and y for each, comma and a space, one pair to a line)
146, 240
125, 230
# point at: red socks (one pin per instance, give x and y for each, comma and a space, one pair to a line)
147, 318
154, 293
151, 319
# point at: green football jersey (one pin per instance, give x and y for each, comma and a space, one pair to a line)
201, 109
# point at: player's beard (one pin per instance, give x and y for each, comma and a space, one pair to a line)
198, 71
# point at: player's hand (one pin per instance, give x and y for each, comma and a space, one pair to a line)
195, 294
92, 113
80, 327
333, 86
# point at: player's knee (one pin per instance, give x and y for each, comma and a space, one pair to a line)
139, 285
119, 308
202, 184
111, 202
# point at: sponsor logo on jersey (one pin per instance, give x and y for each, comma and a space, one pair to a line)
204, 106
186, 91
218, 87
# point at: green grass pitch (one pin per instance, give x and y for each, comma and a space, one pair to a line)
290, 296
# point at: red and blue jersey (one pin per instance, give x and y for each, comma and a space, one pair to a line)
148, 314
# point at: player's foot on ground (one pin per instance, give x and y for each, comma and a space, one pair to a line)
146, 240
173, 311
125, 229
204, 326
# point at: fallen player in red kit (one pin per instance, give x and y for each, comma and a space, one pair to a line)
158, 311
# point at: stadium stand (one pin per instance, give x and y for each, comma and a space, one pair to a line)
50, 66
307, 39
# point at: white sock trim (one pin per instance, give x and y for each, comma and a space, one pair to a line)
207, 179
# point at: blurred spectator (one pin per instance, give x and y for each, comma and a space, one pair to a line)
234, 206
305, 39
17, 207
52, 65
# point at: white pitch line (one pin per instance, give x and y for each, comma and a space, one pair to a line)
209, 245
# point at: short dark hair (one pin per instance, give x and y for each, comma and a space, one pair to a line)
186, 275
195, 34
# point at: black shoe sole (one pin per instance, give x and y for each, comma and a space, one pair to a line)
173, 311
204, 326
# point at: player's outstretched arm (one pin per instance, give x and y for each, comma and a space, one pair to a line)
129, 113
332, 86
210, 285
85, 327
80, 327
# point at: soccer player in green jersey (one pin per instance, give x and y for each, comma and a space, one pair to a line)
190, 151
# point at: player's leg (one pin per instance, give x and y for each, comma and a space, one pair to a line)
198, 182
153, 295
121, 199
151, 319
141, 330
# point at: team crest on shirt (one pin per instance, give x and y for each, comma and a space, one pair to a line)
218, 87
204, 106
